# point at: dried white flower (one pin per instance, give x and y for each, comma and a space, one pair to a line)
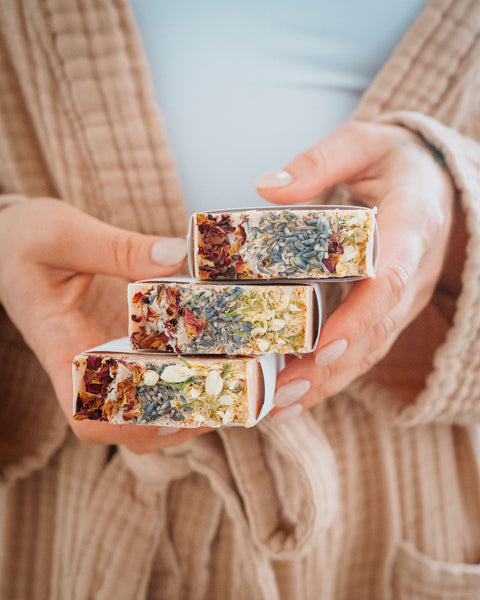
150, 377
276, 324
194, 393
258, 331
225, 400
176, 374
349, 253
228, 416
213, 384
263, 345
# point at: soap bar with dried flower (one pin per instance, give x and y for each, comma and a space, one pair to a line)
166, 390
292, 243
223, 318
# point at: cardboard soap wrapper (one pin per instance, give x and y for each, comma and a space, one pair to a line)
192, 238
316, 308
270, 365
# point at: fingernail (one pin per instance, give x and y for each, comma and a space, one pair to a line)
287, 414
330, 353
274, 179
291, 392
169, 251
167, 430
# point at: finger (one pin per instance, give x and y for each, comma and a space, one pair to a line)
76, 241
402, 247
166, 441
59, 350
140, 439
368, 307
341, 157
304, 381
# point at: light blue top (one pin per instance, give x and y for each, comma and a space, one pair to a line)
245, 86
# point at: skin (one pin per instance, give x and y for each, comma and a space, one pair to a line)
64, 287
78, 268
391, 168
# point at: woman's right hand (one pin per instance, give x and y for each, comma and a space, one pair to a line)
62, 283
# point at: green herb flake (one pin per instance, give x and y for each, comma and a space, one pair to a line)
227, 367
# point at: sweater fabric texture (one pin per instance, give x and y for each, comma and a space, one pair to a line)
374, 493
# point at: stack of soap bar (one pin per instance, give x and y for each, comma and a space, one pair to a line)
213, 318
159, 389
283, 244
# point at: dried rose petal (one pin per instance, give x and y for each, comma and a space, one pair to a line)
154, 340
190, 318
243, 234
152, 315
94, 362
127, 392
328, 262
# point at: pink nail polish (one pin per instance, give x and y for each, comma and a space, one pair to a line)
291, 392
273, 180
330, 353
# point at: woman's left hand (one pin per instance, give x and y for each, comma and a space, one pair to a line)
391, 168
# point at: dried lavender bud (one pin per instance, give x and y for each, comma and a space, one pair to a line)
290, 243
209, 391
207, 318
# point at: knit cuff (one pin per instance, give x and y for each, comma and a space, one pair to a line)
451, 391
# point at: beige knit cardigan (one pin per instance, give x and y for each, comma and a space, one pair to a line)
375, 493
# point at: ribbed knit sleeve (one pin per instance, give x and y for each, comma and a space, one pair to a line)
452, 389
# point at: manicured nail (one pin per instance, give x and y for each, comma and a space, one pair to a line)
287, 414
274, 179
167, 430
169, 251
330, 353
291, 392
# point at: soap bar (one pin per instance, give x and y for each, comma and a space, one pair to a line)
166, 390
223, 318
293, 243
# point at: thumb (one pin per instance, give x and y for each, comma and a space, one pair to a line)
81, 243
340, 157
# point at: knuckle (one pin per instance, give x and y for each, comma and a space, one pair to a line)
366, 363
383, 331
372, 358
325, 373
314, 158
124, 251
397, 278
